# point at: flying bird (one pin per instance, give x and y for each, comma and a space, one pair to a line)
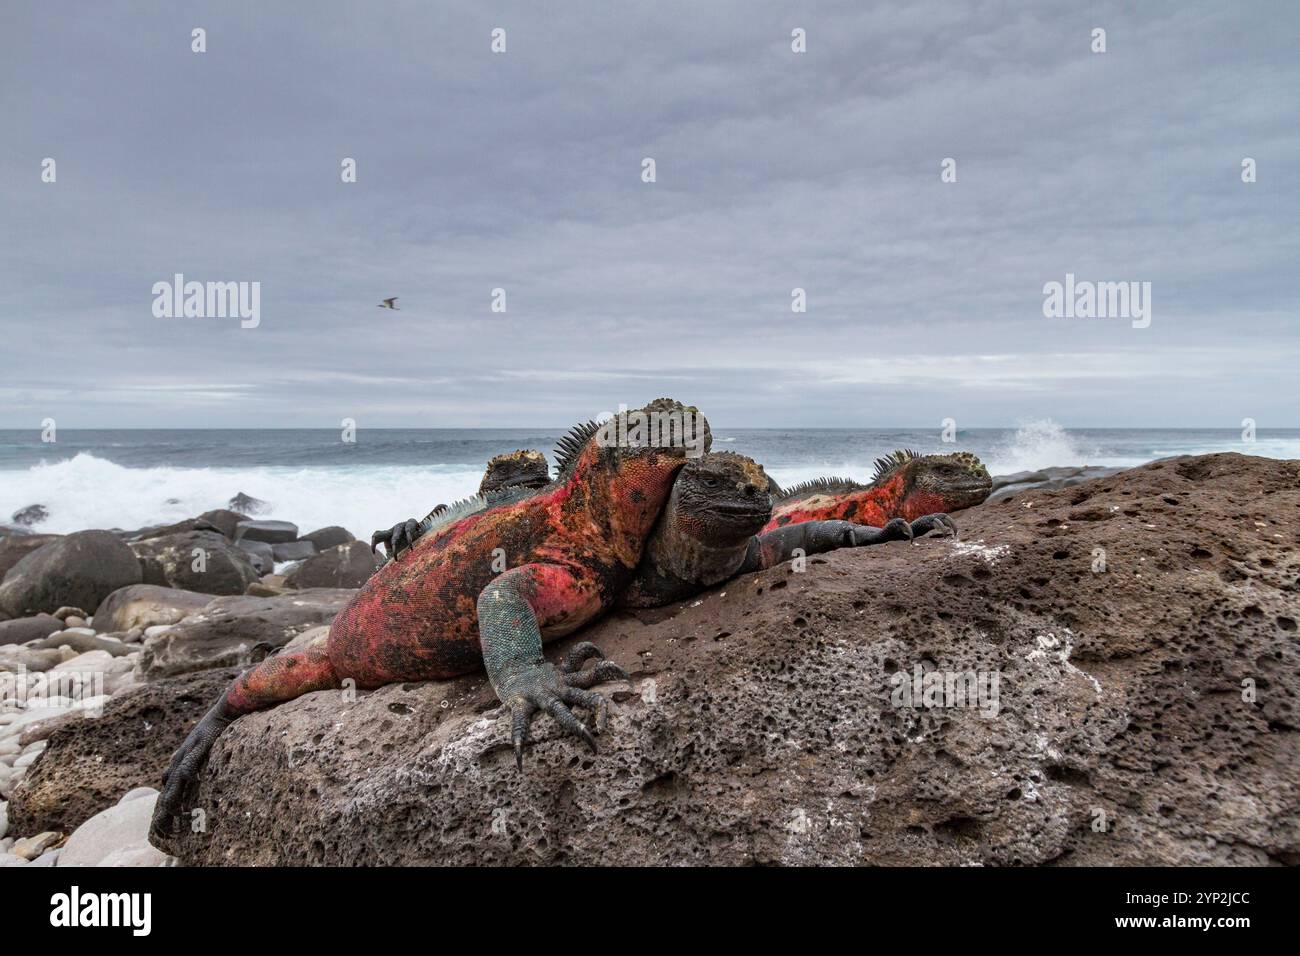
388, 304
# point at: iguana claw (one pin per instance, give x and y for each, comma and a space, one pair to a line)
398, 538
941, 522
556, 690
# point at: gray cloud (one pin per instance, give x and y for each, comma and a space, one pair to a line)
522, 171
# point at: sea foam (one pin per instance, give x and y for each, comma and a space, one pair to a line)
90, 492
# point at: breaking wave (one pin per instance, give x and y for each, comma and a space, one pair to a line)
90, 492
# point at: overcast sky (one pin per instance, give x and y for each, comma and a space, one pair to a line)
775, 170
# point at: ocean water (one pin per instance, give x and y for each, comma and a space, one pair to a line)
135, 478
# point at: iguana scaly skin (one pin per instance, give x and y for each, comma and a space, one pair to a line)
906, 485
483, 589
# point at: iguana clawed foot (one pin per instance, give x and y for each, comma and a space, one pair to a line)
397, 538
555, 690
897, 529
940, 522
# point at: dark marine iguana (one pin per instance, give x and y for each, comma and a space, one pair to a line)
447, 608
906, 485
709, 532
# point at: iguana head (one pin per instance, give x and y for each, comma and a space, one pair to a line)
525, 468
936, 482
721, 499
629, 461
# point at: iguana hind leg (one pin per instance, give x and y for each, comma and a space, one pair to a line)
509, 631
273, 681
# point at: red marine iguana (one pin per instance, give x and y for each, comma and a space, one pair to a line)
906, 485
448, 608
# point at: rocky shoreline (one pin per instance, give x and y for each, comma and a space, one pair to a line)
1130, 641
195, 599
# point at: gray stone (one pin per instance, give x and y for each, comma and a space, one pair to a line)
20, 630
31, 515
121, 828
81, 642
293, 550
345, 566
261, 554
247, 504
221, 521
146, 605
78, 569
202, 561
238, 631
1007, 486
271, 532
330, 537
29, 848
14, 548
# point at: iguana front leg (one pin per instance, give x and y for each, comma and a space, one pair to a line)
817, 537
511, 637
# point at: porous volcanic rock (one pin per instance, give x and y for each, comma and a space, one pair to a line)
89, 763
1142, 628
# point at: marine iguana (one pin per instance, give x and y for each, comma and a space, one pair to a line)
709, 530
448, 608
906, 485
524, 469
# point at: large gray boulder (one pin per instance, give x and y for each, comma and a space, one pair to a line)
146, 605
1142, 714
79, 570
203, 561
346, 566
237, 631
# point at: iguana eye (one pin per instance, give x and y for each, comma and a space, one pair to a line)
710, 482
